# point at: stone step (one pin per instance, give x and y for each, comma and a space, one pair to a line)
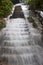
20, 50
17, 42
24, 59
25, 31
10, 64
16, 36
19, 26
21, 46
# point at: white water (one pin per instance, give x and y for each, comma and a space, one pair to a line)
20, 42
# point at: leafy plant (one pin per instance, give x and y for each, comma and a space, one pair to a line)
5, 7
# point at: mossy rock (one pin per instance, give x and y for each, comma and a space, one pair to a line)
31, 20
2, 23
35, 25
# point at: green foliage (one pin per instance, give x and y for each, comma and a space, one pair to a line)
5, 7
35, 4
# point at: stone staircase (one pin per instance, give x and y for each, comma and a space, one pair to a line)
18, 46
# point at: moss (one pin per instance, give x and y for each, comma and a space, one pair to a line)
35, 25
31, 20
2, 24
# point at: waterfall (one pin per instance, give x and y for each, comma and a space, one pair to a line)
20, 41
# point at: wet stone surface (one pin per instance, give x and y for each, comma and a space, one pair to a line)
19, 44
17, 13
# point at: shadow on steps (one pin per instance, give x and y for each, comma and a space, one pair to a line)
17, 13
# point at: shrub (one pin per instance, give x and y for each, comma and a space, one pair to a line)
5, 7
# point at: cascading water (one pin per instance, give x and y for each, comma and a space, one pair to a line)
20, 41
